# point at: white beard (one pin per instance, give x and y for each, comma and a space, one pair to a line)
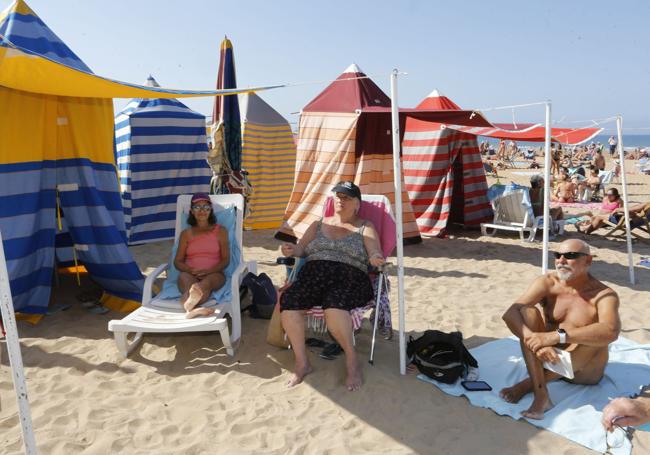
564, 273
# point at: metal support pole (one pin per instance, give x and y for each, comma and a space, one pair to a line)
547, 188
628, 234
397, 178
15, 359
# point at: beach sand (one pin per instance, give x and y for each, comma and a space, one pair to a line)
183, 394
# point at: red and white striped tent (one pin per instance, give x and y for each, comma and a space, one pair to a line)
344, 134
443, 172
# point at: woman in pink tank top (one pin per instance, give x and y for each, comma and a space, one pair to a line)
202, 256
610, 210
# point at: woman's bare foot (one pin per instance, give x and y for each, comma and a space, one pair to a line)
299, 374
199, 312
538, 408
355, 378
516, 392
194, 296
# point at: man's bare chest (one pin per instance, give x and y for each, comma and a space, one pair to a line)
572, 310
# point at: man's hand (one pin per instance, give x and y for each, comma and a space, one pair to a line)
626, 412
547, 354
538, 340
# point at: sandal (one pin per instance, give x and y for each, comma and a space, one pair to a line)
331, 351
315, 343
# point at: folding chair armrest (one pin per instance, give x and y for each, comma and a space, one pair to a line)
148, 283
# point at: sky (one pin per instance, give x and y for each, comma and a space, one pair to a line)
590, 58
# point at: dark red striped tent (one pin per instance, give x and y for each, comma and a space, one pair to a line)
443, 172
344, 134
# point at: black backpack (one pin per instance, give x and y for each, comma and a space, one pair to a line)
441, 356
264, 295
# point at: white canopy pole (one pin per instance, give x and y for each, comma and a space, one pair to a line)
628, 235
547, 187
15, 359
397, 174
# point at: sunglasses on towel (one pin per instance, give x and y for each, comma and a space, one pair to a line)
205, 207
569, 254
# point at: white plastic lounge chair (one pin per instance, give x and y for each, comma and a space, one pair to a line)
512, 213
160, 315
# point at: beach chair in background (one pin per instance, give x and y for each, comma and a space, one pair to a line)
376, 209
513, 212
639, 223
490, 169
164, 312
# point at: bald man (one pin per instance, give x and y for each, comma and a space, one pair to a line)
567, 309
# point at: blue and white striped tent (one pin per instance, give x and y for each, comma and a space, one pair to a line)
161, 152
56, 162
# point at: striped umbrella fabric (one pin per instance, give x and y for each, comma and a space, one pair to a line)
56, 159
443, 173
161, 150
269, 154
226, 108
536, 133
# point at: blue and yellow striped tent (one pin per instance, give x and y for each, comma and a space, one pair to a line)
64, 170
269, 155
57, 159
161, 151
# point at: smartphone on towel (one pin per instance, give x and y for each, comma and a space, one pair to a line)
476, 386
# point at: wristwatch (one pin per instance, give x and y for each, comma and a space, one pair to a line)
562, 334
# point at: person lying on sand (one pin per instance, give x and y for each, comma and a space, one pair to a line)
611, 209
579, 314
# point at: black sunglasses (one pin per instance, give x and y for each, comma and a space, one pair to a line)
569, 255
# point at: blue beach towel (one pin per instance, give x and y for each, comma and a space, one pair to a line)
578, 409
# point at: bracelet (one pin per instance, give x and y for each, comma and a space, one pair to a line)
377, 254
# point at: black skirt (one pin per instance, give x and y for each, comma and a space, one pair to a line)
328, 284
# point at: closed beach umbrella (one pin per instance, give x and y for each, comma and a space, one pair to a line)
226, 108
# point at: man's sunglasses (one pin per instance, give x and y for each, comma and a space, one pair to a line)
569, 255
205, 208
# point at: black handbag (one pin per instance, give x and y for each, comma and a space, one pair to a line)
264, 295
441, 356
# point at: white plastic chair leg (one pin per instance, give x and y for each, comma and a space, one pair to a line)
124, 346
227, 342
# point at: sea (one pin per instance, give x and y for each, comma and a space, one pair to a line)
630, 141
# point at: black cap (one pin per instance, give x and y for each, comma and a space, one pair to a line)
348, 188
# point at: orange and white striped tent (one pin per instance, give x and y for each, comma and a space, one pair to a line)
443, 172
338, 139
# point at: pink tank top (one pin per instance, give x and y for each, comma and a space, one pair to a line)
610, 206
204, 251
